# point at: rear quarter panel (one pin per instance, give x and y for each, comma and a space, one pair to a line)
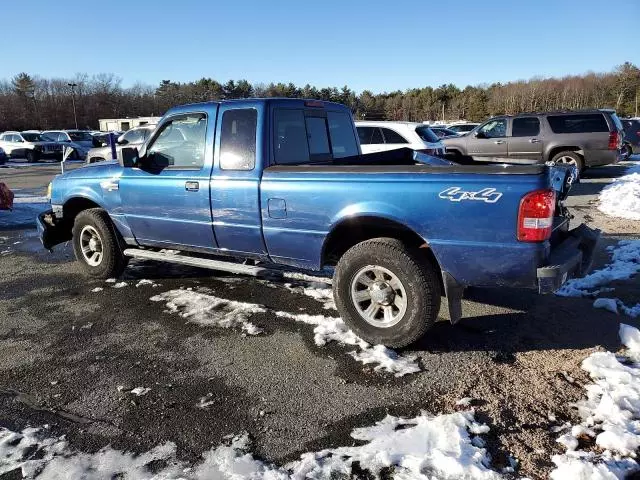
473, 240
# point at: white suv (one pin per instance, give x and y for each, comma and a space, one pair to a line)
30, 145
381, 136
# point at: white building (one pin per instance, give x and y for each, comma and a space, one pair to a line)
124, 124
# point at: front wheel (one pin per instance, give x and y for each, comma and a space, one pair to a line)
97, 244
31, 156
386, 293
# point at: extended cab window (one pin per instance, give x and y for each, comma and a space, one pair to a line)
525, 127
290, 137
180, 142
578, 123
238, 139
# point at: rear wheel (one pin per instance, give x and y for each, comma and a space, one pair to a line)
568, 157
626, 151
97, 244
386, 293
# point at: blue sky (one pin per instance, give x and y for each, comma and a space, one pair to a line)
375, 45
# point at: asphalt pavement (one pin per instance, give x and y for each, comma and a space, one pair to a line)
69, 356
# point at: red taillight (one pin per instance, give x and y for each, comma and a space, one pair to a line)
614, 140
535, 216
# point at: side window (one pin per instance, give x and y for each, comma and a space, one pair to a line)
525, 127
180, 142
290, 140
343, 142
370, 135
495, 128
578, 123
392, 137
238, 139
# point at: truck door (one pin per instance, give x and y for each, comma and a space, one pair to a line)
524, 143
489, 142
166, 198
235, 181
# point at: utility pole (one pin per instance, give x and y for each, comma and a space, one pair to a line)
442, 112
73, 100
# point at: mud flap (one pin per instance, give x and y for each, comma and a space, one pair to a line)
453, 291
51, 232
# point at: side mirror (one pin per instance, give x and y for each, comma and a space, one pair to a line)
479, 134
128, 157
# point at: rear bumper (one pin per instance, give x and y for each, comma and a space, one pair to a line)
51, 231
569, 259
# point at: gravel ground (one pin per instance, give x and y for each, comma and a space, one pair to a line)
64, 350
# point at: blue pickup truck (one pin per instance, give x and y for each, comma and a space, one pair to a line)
238, 185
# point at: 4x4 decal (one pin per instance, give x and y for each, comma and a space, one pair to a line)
456, 194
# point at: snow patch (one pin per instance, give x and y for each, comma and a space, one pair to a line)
616, 305
329, 329
439, 446
120, 285
25, 210
625, 263
621, 199
209, 310
610, 416
97, 289
144, 281
140, 391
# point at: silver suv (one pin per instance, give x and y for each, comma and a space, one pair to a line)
30, 145
584, 139
132, 138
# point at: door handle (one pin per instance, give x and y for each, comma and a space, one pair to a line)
534, 140
191, 186
498, 142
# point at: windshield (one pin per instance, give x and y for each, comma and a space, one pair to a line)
427, 135
80, 136
32, 137
46, 136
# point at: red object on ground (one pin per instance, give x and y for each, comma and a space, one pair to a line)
6, 197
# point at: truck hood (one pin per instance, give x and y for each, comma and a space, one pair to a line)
94, 170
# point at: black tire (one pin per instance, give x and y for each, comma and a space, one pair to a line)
417, 277
626, 151
112, 262
31, 156
568, 154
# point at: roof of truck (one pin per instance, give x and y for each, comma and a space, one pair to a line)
302, 102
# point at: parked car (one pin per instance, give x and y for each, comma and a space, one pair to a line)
79, 140
283, 181
3, 157
631, 142
382, 136
443, 132
29, 145
583, 139
134, 137
462, 127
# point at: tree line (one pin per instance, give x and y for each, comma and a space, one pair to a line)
32, 102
